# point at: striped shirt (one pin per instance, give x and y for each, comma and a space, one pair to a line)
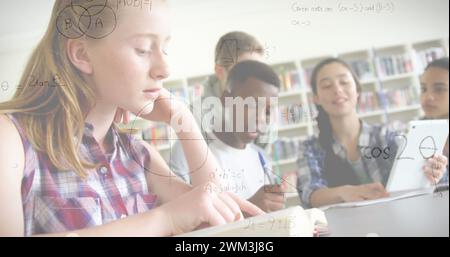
60, 200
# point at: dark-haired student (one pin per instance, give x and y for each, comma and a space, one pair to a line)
334, 166
245, 167
231, 48
434, 94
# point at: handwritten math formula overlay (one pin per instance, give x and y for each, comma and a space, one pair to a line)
302, 11
92, 19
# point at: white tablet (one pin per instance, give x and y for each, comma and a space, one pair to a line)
423, 139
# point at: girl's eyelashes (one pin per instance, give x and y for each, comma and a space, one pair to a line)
434, 90
145, 52
325, 86
440, 89
140, 51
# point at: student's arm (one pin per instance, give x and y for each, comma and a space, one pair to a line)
313, 188
202, 205
347, 193
198, 207
202, 164
309, 172
178, 164
325, 196
161, 180
11, 172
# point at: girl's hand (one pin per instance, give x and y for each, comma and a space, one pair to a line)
435, 168
166, 107
362, 192
206, 205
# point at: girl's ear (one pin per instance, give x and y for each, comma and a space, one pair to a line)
77, 53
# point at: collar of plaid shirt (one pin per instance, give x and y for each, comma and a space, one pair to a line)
363, 141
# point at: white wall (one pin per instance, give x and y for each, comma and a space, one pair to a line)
199, 23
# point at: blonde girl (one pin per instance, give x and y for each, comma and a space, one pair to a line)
65, 169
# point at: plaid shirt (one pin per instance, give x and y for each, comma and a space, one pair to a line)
311, 160
58, 201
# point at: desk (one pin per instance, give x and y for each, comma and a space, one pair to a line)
425, 215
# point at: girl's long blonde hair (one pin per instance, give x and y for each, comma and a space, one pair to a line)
53, 99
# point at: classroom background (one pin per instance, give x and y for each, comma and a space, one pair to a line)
387, 43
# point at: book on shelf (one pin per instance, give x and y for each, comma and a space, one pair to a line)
362, 68
285, 148
395, 98
424, 57
291, 114
290, 80
293, 221
307, 73
368, 102
393, 65
157, 134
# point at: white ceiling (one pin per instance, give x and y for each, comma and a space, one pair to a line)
199, 23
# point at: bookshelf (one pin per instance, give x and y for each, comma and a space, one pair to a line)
389, 77
426, 51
